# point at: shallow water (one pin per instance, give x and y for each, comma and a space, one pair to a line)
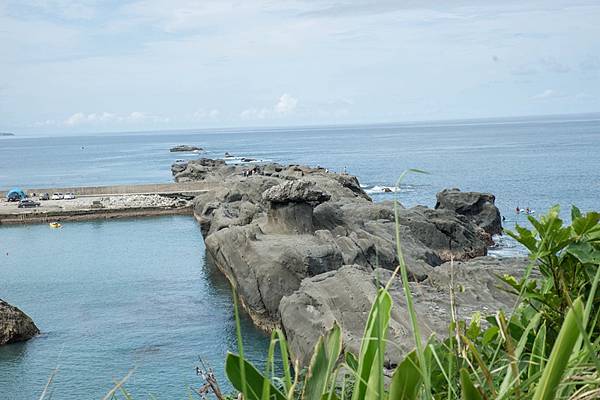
110, 296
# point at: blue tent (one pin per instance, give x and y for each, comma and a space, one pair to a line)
15, 194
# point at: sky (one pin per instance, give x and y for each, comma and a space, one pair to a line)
94, 66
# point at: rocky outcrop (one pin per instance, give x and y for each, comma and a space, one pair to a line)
345, 296
477, 207
184, 148
15, 325
269, 227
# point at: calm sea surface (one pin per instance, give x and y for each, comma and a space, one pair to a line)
115, 295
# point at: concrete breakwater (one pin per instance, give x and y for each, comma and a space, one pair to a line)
105, 202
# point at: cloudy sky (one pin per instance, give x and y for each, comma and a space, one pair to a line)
93, 66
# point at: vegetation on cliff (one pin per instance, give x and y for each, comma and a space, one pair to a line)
547, 348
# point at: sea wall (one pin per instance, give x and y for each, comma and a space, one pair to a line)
152, 188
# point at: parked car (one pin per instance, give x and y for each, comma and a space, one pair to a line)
27, 203
57, 196
44, 196
69, 196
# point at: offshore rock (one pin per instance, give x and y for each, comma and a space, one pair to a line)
478, 207
184, 147
15, 325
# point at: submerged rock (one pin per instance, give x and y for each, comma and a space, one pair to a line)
184, 147
15, 325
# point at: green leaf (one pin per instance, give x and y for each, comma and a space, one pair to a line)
538, 353
373, 345
575, 213
468, 390
584, 252
585, 223
351, 361
561, 351
326, 353
406, 380
254, 380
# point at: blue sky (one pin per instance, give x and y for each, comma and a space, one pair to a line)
92, 66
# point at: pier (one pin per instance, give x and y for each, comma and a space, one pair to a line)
104, 202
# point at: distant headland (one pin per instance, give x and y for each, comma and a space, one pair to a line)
6, 134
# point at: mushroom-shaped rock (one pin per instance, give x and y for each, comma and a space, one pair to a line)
477, 207
15, 325
291, 206
296, 192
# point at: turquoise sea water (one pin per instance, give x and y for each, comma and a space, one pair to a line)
110, 296
113, 295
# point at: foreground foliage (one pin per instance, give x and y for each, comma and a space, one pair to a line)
547, 348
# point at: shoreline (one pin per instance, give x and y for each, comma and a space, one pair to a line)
90, 214
106, 202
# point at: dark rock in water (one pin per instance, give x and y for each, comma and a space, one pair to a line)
345, 296
283, 224
15, 325
478, 207
227, 155
184, 147
245, 159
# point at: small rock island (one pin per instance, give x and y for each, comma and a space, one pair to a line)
184, 148
15, 325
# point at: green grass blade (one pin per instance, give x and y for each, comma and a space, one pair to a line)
406, 380
266, 390
240, 343
375, 329
510, 378
538, 353
252, 381
468, 390
325, 355
561, 352
283, 349
408, 295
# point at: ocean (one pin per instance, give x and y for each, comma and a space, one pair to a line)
110, 296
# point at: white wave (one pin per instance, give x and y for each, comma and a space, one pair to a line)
379, 189
245, 160
505, 246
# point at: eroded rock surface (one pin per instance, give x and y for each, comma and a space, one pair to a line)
269, 227
15, 325
478, 207
345, 296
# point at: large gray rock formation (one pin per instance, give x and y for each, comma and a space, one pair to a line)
269, 227
345, 296
15, 325
478, 207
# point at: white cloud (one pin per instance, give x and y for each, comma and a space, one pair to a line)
202, 114
286, 105
546, 94
80, 118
